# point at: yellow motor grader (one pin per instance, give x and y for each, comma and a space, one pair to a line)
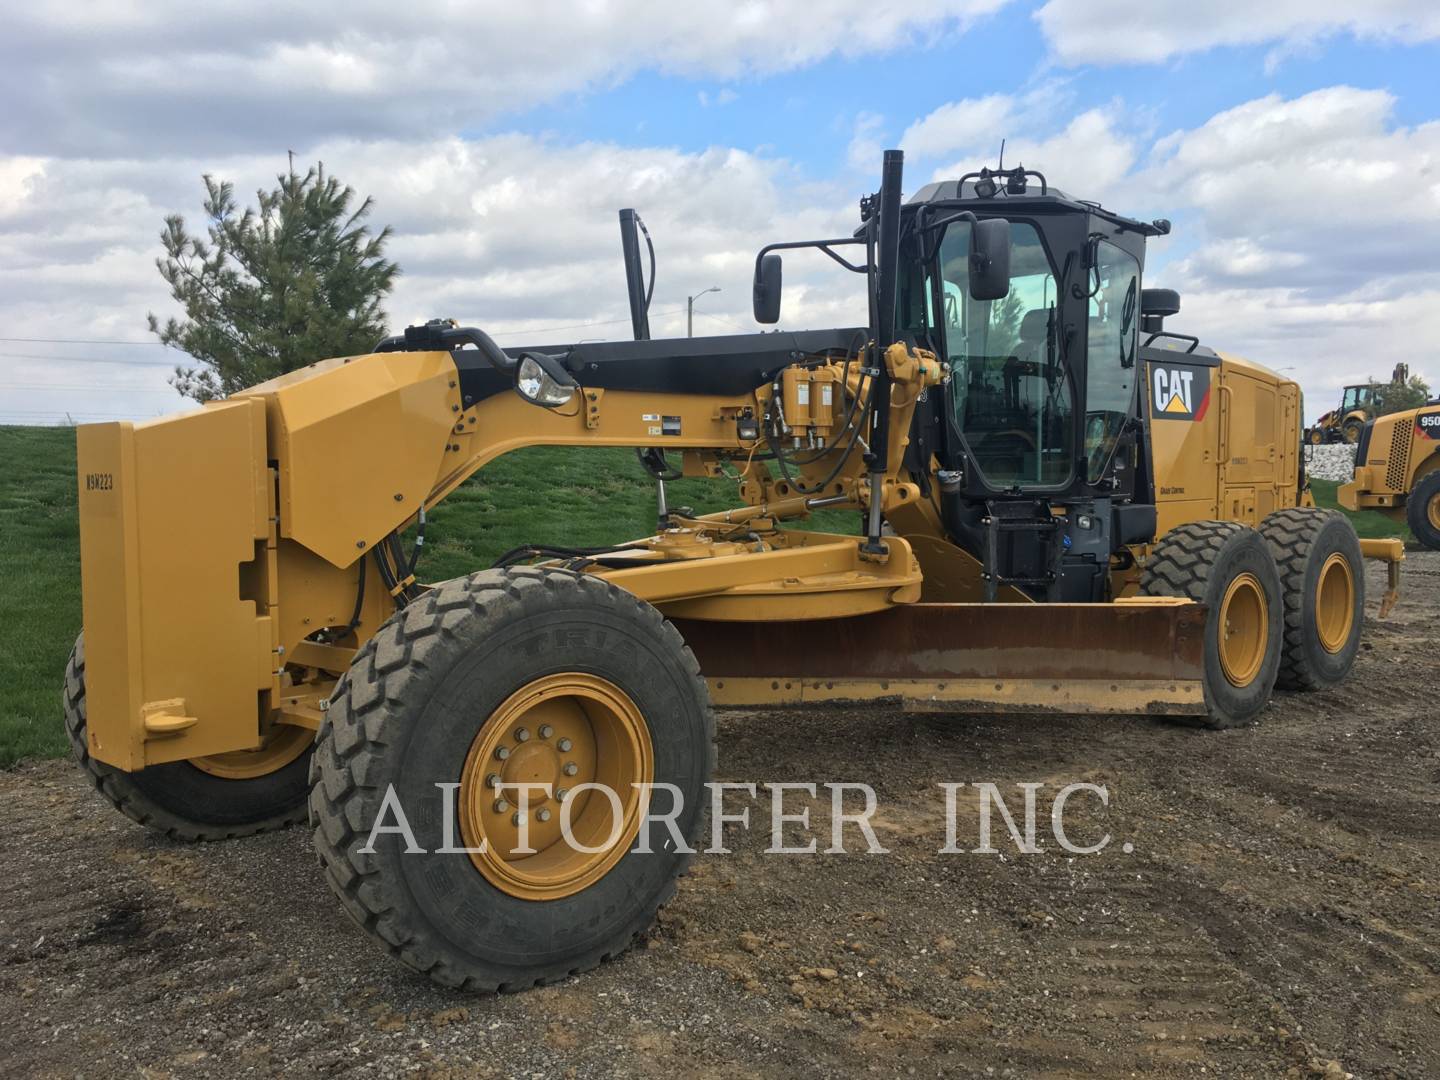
1397, 471
1062, 508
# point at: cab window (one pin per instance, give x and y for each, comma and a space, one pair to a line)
1009, 395
1110, 353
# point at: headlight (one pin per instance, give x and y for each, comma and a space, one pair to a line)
544, 384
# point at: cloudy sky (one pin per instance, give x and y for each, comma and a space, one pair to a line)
1295, 144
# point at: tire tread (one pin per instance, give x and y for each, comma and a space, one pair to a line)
117, 787
368, 702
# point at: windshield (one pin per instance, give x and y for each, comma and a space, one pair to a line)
1110, 354
1011, 398
1355, 396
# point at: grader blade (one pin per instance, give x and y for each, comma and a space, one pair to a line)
1141, 657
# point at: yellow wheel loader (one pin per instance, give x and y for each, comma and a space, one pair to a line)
1397, 471
1357, 405
1060, 509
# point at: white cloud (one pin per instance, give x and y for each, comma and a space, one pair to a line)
1306, 228
513, 233
1322, 188
722, 97
1086, 156
1314, 225
972, 122
1111, 31
866, 148
121, 79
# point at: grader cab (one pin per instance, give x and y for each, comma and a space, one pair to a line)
505, 772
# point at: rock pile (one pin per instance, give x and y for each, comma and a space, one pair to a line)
1334, 462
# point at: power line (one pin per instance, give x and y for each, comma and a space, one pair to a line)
81, 341
63, 412
161, 344
576, 326
81, 386
727, 322
90, 359
183, 356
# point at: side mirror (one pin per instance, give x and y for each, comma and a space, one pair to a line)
541, 380
767, 289
990, 259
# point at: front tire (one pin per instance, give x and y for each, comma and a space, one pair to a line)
1322, 577
1422, 510
1227, 567
219, 799
441, 696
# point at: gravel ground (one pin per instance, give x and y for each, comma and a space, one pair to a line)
1276, 916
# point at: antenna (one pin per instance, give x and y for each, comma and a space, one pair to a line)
1001, 166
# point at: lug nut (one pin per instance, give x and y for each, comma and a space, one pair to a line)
492, 780
546, 731
518, 818
521, 734
560, 794
543, 815
502, 752
571, 768
564, 745
501, 806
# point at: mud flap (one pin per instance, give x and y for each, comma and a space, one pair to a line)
1141, 656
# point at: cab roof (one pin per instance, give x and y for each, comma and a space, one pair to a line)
963, 191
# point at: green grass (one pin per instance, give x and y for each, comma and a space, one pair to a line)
567, 496
1368, 523
39, 586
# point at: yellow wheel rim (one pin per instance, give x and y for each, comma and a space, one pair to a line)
562, 731
285, 743
1244, 629
1351, 433
1335, 603
1316, 438
1432, 510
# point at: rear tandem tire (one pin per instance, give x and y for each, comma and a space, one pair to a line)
1422, 510
178, 799
432, 699
1322, 576
1228, 567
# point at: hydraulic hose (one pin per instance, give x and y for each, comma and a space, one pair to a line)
438, 334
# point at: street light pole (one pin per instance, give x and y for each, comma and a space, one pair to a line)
690, 309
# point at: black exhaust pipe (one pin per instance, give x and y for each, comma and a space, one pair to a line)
882, 333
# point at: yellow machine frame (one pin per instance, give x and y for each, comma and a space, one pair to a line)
203, 620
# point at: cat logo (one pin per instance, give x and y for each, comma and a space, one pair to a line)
1179, 393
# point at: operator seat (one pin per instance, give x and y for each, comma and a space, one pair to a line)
1029, 351
1033, 325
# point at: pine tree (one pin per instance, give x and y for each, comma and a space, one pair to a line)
274, 289
1411, 393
